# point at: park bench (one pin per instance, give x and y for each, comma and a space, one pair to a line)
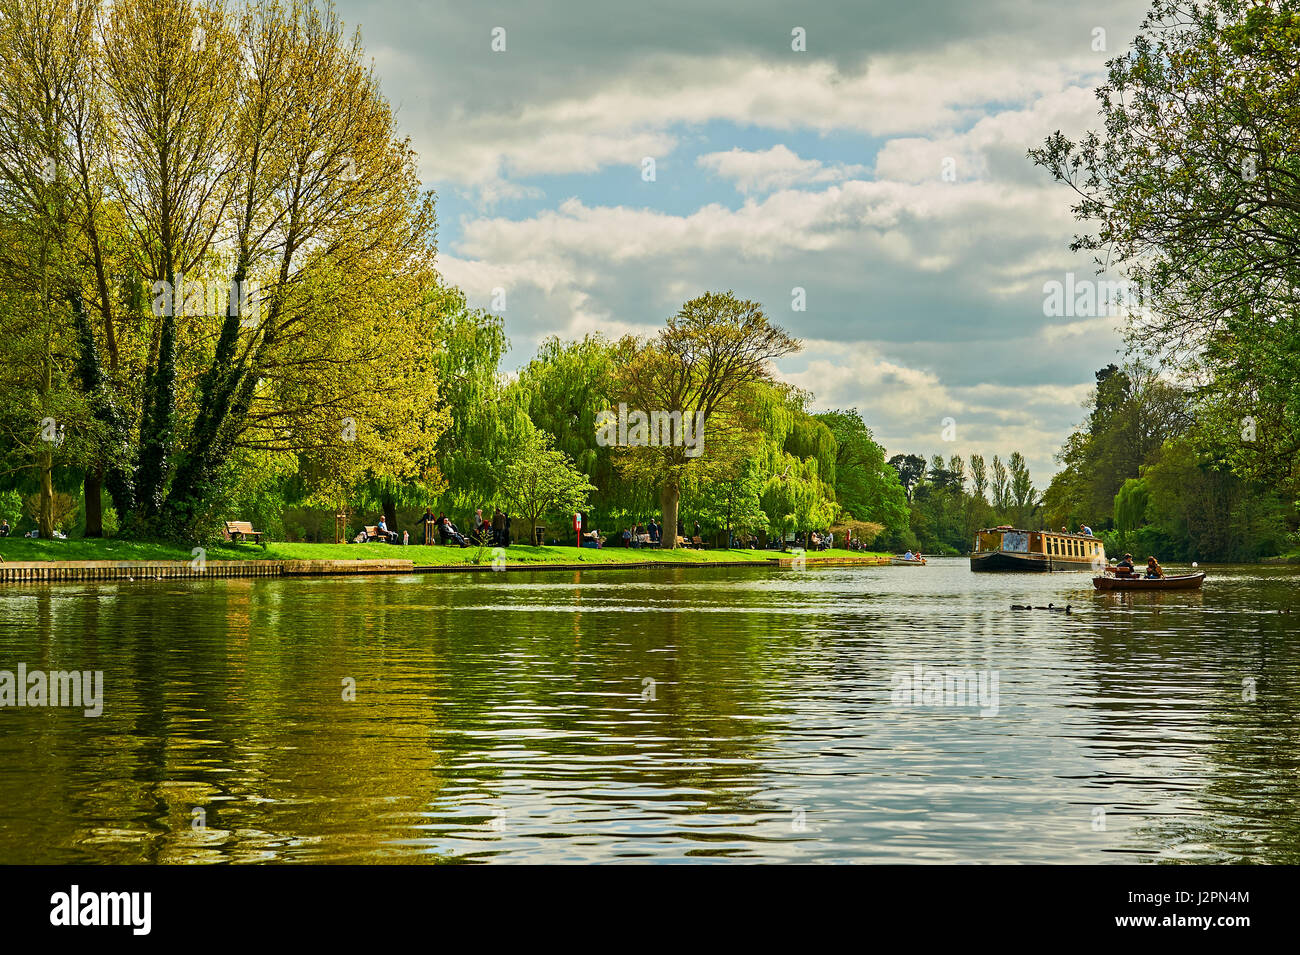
698, 542
237, 531
372, 534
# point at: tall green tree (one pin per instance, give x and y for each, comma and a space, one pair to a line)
698, 367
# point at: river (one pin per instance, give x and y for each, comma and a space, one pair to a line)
657, 715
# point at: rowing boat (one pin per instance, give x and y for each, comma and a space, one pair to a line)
904, 562
1184, 582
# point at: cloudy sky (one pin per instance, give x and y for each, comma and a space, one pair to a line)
881, 169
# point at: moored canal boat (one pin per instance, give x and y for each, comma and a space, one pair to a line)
1009, 548
1138, 582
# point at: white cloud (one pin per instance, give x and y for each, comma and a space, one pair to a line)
631, 114
775, 168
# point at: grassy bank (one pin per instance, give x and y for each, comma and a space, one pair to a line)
22, 549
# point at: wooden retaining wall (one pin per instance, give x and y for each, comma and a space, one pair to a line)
45, 571
789, 562
40, 571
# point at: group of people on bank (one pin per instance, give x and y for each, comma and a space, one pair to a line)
495, 533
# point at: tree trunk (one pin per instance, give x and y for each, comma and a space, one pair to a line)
390, 511
45, 515
156, 429
669, 497
94, 504
45, 521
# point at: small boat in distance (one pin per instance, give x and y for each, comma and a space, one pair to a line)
904, 562
1011, 548
1138, 582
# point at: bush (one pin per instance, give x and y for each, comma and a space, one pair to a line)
11, 507
64, 510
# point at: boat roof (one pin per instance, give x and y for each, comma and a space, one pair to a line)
1022, 530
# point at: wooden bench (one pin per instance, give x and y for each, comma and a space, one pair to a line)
698, 542
237, 531
372, 534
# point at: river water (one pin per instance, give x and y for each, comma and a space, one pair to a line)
658, 715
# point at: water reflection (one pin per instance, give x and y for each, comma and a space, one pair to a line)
662, 715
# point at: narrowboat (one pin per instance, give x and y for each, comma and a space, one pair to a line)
1013, 548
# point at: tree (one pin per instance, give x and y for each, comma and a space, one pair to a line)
1131, 413
1190, 191
564, 389
866, 486
979, 477
1131, 505
1001, 487
45, 47
542, 480
911, 471
696, 369
157, 151
797, 499
1020, 489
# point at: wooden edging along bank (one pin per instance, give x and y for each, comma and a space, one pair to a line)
40, 571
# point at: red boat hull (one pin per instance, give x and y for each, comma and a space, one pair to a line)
1185, 582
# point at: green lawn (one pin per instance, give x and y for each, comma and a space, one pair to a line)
22, 549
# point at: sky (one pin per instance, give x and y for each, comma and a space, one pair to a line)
597, 164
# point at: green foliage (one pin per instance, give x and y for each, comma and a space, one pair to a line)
563, 390
1131, 413
542, 481
866, 486
797, 499
1131, 505
1208, 513
11, 506
1189, 189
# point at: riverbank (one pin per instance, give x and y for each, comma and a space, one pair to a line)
25, 559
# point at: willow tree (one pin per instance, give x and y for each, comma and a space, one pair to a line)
688, 380
565, 388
